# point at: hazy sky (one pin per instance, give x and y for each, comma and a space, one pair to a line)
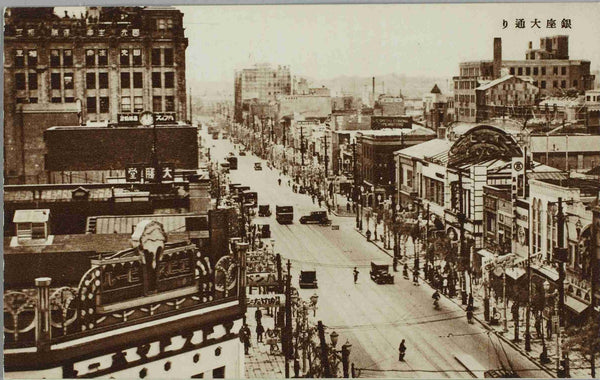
324, 41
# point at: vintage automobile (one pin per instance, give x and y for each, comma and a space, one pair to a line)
380, 273
242, 152
264, 230
264, 210
257, 166
319, 217
308, 279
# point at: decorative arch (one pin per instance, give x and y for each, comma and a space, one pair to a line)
482, 143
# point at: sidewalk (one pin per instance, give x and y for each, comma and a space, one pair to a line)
260, 363
575, 361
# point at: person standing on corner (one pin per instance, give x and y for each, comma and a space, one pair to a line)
355, 273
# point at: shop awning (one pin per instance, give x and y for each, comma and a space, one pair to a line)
515, 272
549, 273
575, 305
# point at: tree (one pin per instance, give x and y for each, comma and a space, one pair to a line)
584, 339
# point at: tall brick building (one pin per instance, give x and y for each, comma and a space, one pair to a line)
94, 66
549, 66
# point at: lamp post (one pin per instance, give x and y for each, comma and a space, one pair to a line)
313, 303
345, 353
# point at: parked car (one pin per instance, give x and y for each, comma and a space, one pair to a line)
257, 166
308, 279
264, 210
319, 217
380, 273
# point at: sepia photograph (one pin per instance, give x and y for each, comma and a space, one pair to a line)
270, 191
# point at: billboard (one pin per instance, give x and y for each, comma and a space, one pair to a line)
265, 300
379, 122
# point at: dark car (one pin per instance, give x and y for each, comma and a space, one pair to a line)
257, 166
319, 217
242, 152
380, 273
308, 279
264, 210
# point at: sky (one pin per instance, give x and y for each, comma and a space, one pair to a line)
326, 41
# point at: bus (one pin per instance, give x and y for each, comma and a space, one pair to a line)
284, 214
233, 162
250, 198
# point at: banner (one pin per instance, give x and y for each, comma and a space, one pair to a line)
261, 279
265, 300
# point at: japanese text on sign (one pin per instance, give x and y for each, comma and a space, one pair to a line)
521, 23
265, 300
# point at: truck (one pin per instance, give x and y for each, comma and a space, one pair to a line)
233, 162
284, 214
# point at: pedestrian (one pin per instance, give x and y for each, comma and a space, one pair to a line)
313, 198
416, 277
395, 264
401, 351
355, 273
279, 181
258, 315
538, 327
445, 285
348, 207
470, 314
320, 201
259, 332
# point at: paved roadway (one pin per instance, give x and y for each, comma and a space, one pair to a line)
373, 318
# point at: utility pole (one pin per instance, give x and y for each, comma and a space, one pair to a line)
461, 221
326, 157
324, 354
428, 260
595, 256
302, 143
288, 320
561, 255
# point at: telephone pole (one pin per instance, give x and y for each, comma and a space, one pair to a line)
302, 143
324, 354
288, 320
326, 157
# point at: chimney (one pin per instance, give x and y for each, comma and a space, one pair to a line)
497, 65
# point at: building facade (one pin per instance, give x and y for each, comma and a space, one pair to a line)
508, 95
107, 62
263, 82
550, 68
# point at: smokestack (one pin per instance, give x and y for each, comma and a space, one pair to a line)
373, 88
497, 65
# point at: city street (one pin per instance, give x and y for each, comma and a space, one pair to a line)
373, 318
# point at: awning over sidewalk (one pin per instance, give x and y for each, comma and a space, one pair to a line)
549, 273
515, 272
575, 305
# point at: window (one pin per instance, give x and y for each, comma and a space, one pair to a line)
528, 71
32, 58
104, 104
102, 57
69, 99
125, 80
169, 79
33, 81
155, 57
102, 80
575, 83
535, 71
124, 57
161, 24
68, 78
156, 82
512, 71
157, 103
126, 104
20, 81
555, 70
91, 104
169, 104
138, 81
55, 81
90, 57
543, 84
138, 104
168, 57
19, 58
520, 71
90, 80
555, 84
563, 70
38, 230
169, 23
67, 57
56, 100
54, 58
20, 100
137, 57
563, 84
33, 100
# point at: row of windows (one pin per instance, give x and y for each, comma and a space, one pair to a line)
537, 71
102, 104
95, 57
93, 81
464, 98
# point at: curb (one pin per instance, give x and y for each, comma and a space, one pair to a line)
481, 322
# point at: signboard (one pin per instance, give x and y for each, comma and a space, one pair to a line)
265, 300
379, 122
136, 172
121, 280
133, 173
167, 173
128, 118
261, 279
164, 117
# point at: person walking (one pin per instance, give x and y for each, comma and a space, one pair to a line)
279, 181
401, 351
258, 315
355, 273
259, 332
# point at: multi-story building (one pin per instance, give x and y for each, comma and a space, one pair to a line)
263, 82
508, 95
550, 68
375, 156
107, 62
438, 109
389, 105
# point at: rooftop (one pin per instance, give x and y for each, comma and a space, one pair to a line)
587, 187
503, 79
394, 132
31, 216
431, 148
